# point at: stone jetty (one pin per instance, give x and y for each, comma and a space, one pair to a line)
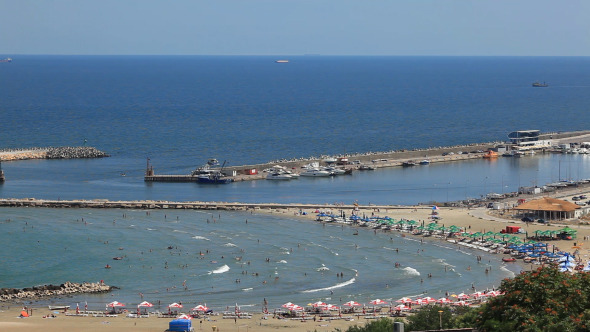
67, 288
64, 152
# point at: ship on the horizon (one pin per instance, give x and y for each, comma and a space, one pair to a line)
539, 85
282, 61
6, 60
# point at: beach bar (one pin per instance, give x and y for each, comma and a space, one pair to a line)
549, 208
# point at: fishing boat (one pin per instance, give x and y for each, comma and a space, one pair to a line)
59, 307
425, 162
409, 163
209, 175
6, 60
508, 260
540, 85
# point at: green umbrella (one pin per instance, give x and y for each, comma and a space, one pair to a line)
412, 222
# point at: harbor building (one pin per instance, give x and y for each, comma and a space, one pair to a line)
529, 139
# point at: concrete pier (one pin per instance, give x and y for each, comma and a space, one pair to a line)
106, 204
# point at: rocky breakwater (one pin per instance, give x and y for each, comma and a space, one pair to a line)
65, 152
68, 288
68, 152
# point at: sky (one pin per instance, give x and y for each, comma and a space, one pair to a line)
294, 27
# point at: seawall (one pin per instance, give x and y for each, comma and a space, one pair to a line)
65, 152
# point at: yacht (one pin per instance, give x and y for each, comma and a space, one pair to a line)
278, 176
311, 172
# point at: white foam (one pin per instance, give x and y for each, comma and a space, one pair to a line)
411, 271
150, 229
323, 268
196, 237
340, 285
229, 244
179, 231
222, 269
247, 289
282, 261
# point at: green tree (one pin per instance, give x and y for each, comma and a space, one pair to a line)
541, 300
381, 325
430, 318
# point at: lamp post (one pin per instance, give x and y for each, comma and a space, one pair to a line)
440, 318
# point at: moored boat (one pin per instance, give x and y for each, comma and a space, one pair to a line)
540, 85
314, 172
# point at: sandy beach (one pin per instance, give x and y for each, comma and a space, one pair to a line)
9, 321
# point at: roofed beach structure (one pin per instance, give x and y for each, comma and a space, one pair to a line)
549, 208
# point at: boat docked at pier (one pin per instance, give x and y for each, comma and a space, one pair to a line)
315, 172
209, 175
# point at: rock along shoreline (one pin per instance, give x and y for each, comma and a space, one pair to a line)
64, 152
45, 291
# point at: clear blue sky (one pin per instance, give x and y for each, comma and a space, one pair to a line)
291, 27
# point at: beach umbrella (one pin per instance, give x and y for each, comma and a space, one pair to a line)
461, 303
478, 294
463, 296
330, 307
175, 305
352, 304
412, 222
318, 304
428, 299
378, 302
404, 300
493, 293
200, 307
184, 316
287, 305
401, 307
435, 207
444, 300
115, 304
420, 302
145, 304
296, 308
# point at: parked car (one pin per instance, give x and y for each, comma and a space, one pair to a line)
527, 219
542, 221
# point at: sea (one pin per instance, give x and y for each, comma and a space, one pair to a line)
179, 111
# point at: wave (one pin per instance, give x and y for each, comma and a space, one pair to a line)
229, 244
179, 231
323, 268
222, 269
340, 285
150, 229
411, 271
247, 289
196, 237
282, 261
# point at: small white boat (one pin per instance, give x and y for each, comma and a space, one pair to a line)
282, 61
314, 172
334, 170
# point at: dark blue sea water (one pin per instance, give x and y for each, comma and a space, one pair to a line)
181, 111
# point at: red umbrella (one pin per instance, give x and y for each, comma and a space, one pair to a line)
352, 304
145, 304
443, 300
461, 303
318, 304
463, 296
378, 302
175, 305
428, 299
401, 307
296, 308
420, 302
331, 307
183, 316
287, 305
115, 304
200, 307
404, 300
